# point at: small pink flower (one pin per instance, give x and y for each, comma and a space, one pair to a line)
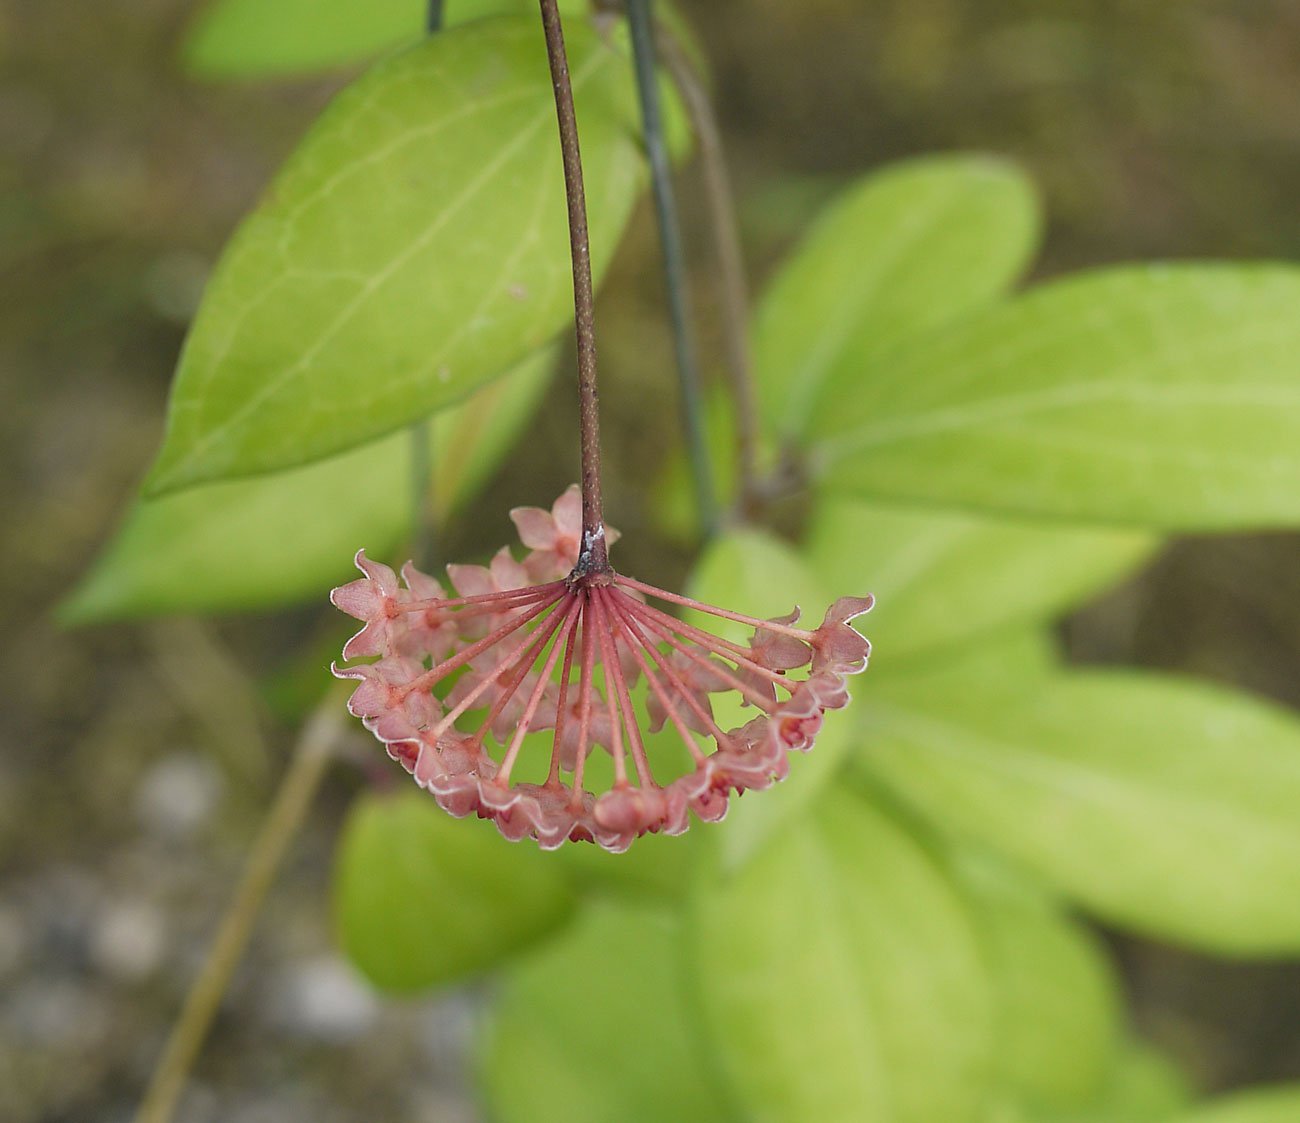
428, 630
779, 651
837, 647
374, 599
549, 644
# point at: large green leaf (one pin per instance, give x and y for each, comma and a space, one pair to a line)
1279, 1104
672, 498
422, 899
754, 817
942, 579
751, 571
841, 978
909, 247
276, 38
1143, 1087
1057, 999
597, 1026
224, 546
1162, 805
1164, 394
414, 246
658, 867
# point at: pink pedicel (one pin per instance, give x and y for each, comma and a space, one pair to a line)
546, 644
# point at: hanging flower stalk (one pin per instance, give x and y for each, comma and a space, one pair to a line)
560, 642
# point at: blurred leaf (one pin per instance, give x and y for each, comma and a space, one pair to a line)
1021, 658
413, 246
1144, 1087
469, 441
1024, 657
841, 979
672, 493
1165, 806
756, 816
284, 38
597, 1026
223, 546
1057, 998
750, 571
422, 899
1278, 1104
658, 866
295, 685
942, 579
1166, 395
911, 246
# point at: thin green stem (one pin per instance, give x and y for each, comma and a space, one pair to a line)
288, 811
670, 240
433, 16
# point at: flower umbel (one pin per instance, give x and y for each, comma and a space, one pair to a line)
548, 644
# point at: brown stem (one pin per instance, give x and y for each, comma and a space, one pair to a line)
423, 518
726, 246
594, 557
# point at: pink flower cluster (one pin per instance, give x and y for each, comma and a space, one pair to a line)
543, 645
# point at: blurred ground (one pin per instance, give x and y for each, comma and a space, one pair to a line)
134, 762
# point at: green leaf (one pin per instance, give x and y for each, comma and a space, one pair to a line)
1162, 805
943, 579
911, 246
1143, 1087
841, 979
279, 38
751, 571
223, 546
658, 866
755, 817
414, 246
1166, 395
1279, 1104
598, 1026
422, 899
673, 503
1008, 663
1057, 999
